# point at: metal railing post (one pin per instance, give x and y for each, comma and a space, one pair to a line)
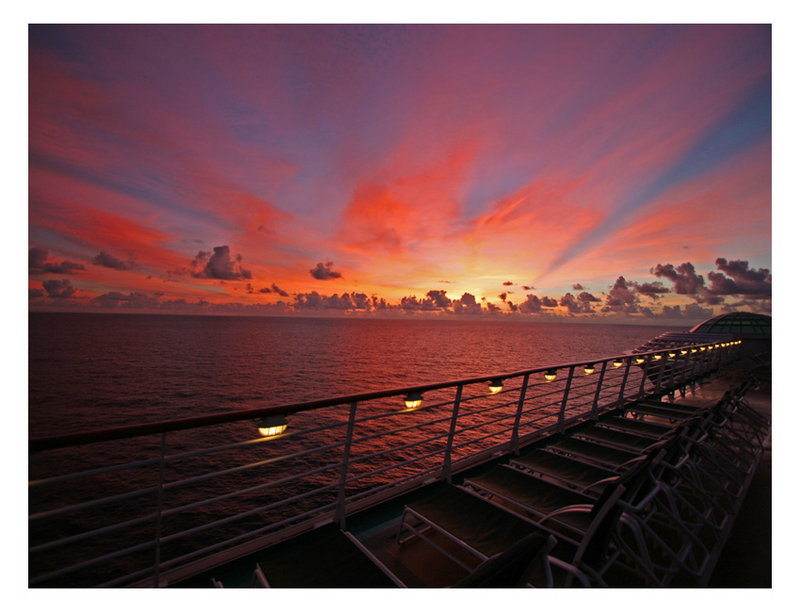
341, 501
563, 410
597, 391
447, 463
621, 396
160, 503
659, 388
645, 366
520, 404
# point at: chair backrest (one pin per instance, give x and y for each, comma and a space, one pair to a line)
631, 488
512, 567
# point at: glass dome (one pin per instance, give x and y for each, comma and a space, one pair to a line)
744, 324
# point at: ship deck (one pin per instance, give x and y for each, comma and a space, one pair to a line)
438, 560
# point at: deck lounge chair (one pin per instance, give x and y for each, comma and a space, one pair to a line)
599, 454
571, 472
655, 431
332, 558
477, 526
515, 566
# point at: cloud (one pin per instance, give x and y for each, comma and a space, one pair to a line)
109, 261
346, 301
324, 271
219, 265
279, 291
652, 290
534, 304
684, 277
507, 283
742, 281
621, 298
577, 287
575, 305
38, 264
435, 299
466, 305
58, 289
115, 299
439, 298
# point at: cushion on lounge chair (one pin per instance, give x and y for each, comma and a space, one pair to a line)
572, 471
328, 559
597, 453
473, 520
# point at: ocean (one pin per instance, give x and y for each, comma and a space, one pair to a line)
91, 371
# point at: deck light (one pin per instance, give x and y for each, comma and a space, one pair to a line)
413, 400
702, 348
588, 369
495, 386
617, 363
656, 357
684, 351
639, 360
272, 426
550, 375
671, 355
716, 345
694, 350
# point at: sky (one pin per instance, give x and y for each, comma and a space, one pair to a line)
584, 173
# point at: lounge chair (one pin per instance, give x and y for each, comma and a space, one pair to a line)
331, 558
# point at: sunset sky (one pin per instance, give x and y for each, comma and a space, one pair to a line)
592, 172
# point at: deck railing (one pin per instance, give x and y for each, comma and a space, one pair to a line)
148, 504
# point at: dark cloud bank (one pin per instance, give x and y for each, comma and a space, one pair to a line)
731, 286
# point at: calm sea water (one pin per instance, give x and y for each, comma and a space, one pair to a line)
90, 371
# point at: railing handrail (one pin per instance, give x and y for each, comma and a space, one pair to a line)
157, 427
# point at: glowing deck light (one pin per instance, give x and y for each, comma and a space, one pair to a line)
495, 386
671, 355
656, 357
684, 351
694, 350
588, 369
639, 360
413, 400
702, 348
550, 375
272, 426
617, 363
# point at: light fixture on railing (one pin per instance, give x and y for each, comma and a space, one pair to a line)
702, 348
495, 386
656, 357
588, 369
684, 351
694, 350
671, 355
272, 426
413, 400
550, 375
716, 345
639, 360
617, 363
